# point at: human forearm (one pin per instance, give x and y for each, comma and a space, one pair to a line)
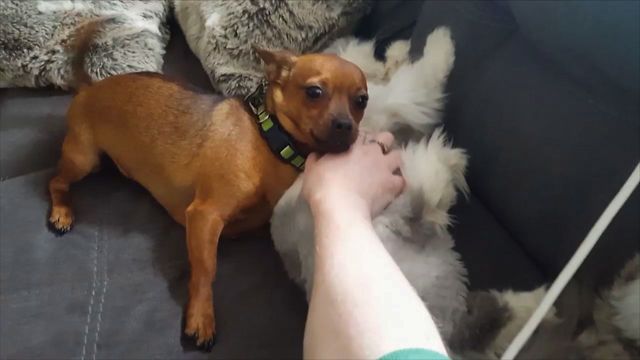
362, 306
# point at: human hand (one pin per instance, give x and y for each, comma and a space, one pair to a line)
361, 181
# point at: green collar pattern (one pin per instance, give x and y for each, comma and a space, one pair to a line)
276, 137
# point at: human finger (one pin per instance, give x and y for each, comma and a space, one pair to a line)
397, 184
394, 160
386, 138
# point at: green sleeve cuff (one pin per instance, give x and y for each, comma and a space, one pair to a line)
414, 354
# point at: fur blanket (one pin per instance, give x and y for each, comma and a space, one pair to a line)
34, 38
221, 33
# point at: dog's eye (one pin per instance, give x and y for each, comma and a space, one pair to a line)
314, 92
361, 101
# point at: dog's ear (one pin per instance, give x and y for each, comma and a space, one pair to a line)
277, 63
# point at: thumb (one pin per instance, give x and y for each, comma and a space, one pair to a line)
311, 160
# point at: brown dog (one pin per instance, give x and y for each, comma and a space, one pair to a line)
206, 159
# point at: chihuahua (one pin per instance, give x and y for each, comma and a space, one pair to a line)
218, 166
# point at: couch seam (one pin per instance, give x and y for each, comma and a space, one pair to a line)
57, 290
93, 293
451, 113
497, 220
105, 283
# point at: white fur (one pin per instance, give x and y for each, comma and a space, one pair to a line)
213, 20
437, 165
625, 301
414, 95
60, 6
397, 54
360, 53
616, 318
413, 227
521, 305
136, 23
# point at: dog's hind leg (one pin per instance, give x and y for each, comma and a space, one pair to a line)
79, 157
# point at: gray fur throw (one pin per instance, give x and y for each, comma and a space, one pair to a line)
221, 33
35, 37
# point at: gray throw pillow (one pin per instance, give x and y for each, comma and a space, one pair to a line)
35, 38
221, 33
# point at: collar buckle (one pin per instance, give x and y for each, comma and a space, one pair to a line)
256, 99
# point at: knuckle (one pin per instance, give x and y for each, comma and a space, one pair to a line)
387, 136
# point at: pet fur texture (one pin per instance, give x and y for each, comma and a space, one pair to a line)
581, 325
414, 227
615, 332
35, 38
221, 33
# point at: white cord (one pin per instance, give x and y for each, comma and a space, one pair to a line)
572, 266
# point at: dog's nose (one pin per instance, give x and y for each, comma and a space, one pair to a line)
344, 126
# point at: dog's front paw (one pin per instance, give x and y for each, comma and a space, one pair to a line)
397, 54
61, 219
199, 328
439, 52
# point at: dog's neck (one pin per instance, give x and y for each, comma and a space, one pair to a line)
282, 144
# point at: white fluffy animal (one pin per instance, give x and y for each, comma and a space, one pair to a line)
414, 227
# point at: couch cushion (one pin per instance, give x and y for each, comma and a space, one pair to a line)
116, 284
388, 21
32, 125
493, 258
593, 41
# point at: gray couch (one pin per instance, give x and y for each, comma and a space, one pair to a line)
544, 96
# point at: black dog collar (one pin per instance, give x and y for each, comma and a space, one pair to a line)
276, 137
